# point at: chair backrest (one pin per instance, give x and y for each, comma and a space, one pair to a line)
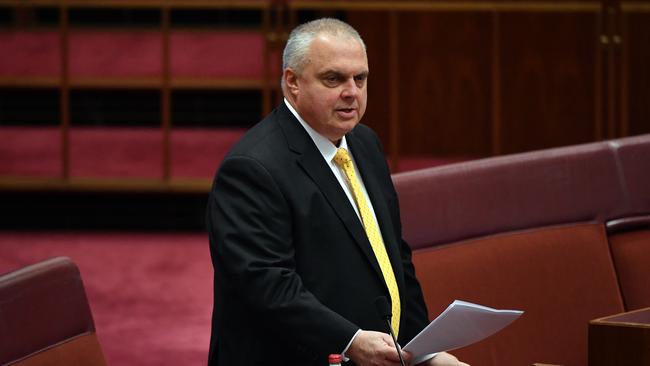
563, 234
45, 317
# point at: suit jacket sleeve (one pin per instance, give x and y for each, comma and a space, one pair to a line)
251, 243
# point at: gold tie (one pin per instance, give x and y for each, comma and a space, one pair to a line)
343, 160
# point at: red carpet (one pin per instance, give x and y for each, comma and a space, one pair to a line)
150, 294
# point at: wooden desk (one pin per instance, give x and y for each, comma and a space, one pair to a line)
621, 339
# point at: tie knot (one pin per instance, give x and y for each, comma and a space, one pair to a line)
342, 157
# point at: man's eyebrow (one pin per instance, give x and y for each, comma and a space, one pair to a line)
330, 72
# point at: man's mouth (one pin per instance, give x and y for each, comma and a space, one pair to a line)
345, 110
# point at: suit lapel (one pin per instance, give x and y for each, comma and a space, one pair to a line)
312, 162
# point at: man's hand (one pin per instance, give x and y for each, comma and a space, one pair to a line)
444, 359
377, 349
374, 349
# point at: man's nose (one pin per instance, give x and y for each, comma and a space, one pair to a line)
350, 89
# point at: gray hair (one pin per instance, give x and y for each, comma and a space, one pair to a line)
295, 52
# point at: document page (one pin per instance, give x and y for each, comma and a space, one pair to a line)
461, 324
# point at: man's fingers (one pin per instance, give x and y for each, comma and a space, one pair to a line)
407, 357
392, 353
373, 348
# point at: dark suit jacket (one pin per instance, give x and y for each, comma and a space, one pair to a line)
295, 276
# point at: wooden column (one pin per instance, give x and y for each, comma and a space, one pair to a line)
269, 44
599, 96
166, 93
393, 67
496, 85
64, 90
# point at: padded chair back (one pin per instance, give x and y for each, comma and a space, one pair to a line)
45, 318
563, 234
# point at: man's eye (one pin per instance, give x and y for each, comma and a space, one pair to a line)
331, 80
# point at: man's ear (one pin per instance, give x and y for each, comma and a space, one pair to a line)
291, 81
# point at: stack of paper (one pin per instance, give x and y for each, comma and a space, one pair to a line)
461, 324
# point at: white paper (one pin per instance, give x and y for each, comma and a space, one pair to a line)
461, 324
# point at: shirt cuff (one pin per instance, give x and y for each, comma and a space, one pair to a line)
345, 358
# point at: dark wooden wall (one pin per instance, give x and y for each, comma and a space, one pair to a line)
635, 73
488, 78
449, 78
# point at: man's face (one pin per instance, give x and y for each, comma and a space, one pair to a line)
330, 93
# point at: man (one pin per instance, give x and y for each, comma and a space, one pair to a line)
303, 239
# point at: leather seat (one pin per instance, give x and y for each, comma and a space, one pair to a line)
45, 318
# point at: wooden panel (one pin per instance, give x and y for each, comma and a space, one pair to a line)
376, 40
622, 340
445, 92
548, 78
637, 45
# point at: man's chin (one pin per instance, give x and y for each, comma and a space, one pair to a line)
347, 127
335, 134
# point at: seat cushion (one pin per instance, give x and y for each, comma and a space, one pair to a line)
631, 253
561, 276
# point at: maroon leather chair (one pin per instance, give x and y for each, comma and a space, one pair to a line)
45, 318
563, 234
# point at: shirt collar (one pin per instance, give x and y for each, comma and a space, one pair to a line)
325, 146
